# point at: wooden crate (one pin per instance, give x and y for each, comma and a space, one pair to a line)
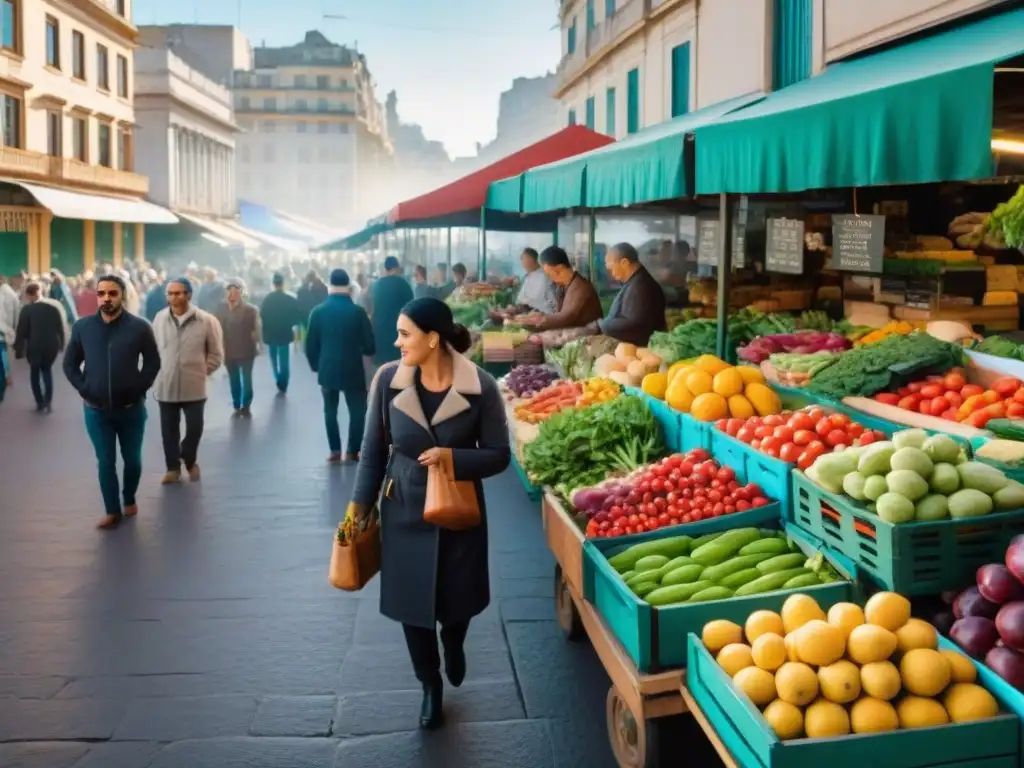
565, 540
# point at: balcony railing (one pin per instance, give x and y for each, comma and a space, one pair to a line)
26, 163
248, 84
291, 109
23, 162
607, 33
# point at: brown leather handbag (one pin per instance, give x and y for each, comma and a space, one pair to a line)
355, 558
450, 504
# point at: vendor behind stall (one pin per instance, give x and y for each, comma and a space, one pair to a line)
537, 293
577, 303
639, 307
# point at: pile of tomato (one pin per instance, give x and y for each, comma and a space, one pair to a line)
799, 437
678, 489
950, 397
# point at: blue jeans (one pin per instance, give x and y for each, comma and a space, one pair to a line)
5, 369
41, 379
355, 400
240, 379
106, 429
280, 364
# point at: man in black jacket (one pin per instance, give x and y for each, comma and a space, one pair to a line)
639, 307
39, 339
113, 388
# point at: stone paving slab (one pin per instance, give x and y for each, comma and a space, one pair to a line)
248, 753
294, 716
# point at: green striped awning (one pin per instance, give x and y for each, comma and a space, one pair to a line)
506, 195
555, 186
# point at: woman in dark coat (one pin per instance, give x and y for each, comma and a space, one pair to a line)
433, 400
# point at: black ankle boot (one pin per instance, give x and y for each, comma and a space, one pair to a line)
455, 665
431, 713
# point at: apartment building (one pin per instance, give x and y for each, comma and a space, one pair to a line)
69, 193
314, 138
629, 64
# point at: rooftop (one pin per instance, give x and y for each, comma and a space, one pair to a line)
314, 50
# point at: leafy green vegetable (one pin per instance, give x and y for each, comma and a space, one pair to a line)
1000, 347
1008, 217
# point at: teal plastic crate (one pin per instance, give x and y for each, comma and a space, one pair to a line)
655, 638
746, 734
1011, 471
772, 475
1009, 698
694, 433
910, 558
794, 398
534, 492
667, 417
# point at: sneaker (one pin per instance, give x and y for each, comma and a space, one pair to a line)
109, 522
171, 477
131, 510
194, 473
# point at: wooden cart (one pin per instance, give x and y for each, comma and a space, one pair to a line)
635, 700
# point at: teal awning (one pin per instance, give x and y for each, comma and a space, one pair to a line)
555, 186
357, 239
917, 113
506, 195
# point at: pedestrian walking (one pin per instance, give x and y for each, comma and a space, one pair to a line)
7, 336
387, 297
434, 402
10, 304
191, 348
280, 315
102, 364
339, 347
39, 339
240, 322
311, 294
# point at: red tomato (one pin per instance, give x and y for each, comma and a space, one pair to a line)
726, 474
838, 420
931, 391
903, 391
949, 415
657, 485
1007, 386
837, 437
790, 452
805, 460
685, 469
760, 501
755, 444
804, 437
1015, 410
763, 432
909, 403
979, 419
915, 387
801, 420
775, 420
697, 455
939, 405
889, 398
816, 414
970, 389
660, 503
954, 381
753, 489
996, 411
730, 509
663, 519
785, 434
770, 443
955, 399
773, 452
817, 448
925, 406
867, 438
722, 425
1018, 396
733, 426
823, 427
742, 505
855, 430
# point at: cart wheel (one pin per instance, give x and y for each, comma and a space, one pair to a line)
565, 609
634, 743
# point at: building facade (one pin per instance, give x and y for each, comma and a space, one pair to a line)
214, 50
314, 138
629, 64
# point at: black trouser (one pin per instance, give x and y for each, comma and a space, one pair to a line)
177, 450
41, 380
426, 660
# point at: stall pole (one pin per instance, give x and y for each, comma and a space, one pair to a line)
592, 255
482, 272
554, 236
724, 272
405, 247
449, 249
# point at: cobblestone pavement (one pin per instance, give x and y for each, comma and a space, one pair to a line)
204, 634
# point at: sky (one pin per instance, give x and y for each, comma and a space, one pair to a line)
449, 60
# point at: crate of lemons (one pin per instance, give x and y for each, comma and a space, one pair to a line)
710, 389
853, 670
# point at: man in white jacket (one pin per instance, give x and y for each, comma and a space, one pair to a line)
10, 305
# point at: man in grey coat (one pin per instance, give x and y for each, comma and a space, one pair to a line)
191, 346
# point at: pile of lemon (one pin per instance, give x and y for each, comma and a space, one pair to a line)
852, 670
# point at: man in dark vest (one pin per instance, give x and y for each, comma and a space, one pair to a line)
39, 339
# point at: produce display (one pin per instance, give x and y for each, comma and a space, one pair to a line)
549, 401
868, 670
1007, 220
952, 398
528, 380
894, 328
795, 370
676, 490
576, 358
736, 563
916, 478
628, 365
710, 389
801, 343
999, 346
799, 437
699, 337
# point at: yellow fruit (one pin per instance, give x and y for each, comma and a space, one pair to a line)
839, 682
888, 610
720, 633
825, 719
734, 657
880, 680
763, 623
740, 407
845, 616
763, 398
962, 669
769, 652
709, 407
920, 712
819, 643
868, 643
916, 634
798, 610
676, 368
785, 719
728, 383
711, 364
758, 685
750, 374
796, 683
966, 701
870, 715
791, 652
677, 396
655, 385
925, 672
699, 382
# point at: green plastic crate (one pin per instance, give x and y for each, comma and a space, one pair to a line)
534, 492
910, 558
667, 417
655, 638
746, 734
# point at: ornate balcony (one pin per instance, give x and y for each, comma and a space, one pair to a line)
36, 166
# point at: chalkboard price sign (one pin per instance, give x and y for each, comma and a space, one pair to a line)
784, 247
707, 242
858, 242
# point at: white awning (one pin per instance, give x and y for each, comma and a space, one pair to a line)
78, 205
221, 229
276, 243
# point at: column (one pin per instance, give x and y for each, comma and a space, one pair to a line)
140, 243
118, 245
45, 246
34, 238
89, 245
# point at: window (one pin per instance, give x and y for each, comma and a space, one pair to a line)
305, 154
243, 102
300, 81
54, 134
300, 105
591, 116
324, 153
571, 42
102, 67
610, 112
270, 126
680, 80
122, 9
78, 55
52, 42
10, 121
9, 25
122, 77
633, 101
301, 126
124, 148
243, 153
322, 105
270, 105
264, 81
103, 134
591, 15
323, 127
572, 117
609, 8
323, 82
80, 137
793, 41
342, 128
344, 83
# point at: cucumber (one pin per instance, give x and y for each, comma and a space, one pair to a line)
670, 547
639, 577
772, 546
711, 593
768, 582
738, 579
671, 565
684, 574
782, 563
650, 563
628, 575
721, 549
739, 563
644, 588
809, 579
707, 538
677, 593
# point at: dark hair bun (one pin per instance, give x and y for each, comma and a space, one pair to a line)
461, 340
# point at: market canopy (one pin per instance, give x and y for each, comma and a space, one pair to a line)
360, 238
506, 195
78, 205
917, 113
555, 186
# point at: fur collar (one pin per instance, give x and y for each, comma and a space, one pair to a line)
465, 381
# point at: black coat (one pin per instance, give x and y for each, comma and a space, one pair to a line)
40, 335
430, 575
